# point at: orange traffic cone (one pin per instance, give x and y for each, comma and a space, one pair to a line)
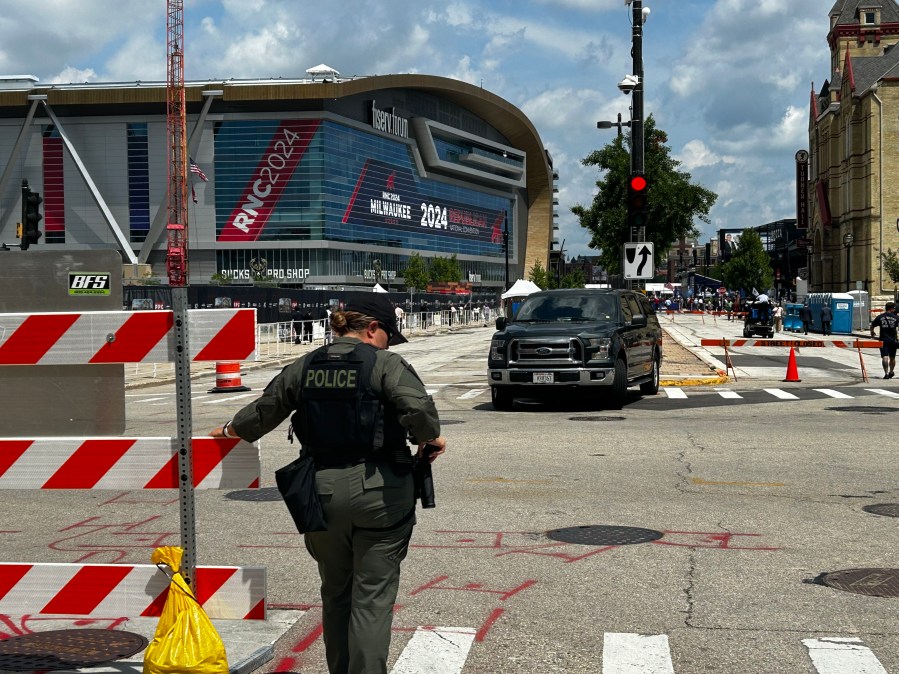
227, 378
792, 370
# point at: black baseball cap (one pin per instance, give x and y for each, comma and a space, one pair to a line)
379, 308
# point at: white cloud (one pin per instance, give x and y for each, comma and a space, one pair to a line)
695, 154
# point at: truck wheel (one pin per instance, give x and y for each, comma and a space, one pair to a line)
501, 398
651, 387
617, 395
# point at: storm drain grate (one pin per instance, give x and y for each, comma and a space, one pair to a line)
596, 418
869, 582
885, 509
67, 649
255, 495
604, 535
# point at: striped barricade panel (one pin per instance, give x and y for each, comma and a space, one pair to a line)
795, 343
112, 590
124, 337
125, 463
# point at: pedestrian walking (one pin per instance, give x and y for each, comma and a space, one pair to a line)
888, 322
805, 315
826, 319
778, 318
353, 404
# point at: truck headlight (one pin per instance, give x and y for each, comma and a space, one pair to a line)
497, 349
600, 347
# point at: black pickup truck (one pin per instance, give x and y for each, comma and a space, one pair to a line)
602, 340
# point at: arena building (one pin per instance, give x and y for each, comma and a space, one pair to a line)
320, 182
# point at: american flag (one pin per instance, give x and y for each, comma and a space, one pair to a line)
669, 286
196, 170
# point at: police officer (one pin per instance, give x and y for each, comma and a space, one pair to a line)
888, 322
354, 403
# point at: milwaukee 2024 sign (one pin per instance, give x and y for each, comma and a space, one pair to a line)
387, 196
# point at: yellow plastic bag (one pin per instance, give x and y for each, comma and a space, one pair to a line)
185, 640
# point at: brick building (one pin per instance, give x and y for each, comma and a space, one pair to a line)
854, 150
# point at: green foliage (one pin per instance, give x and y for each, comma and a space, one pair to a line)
221, 279
416, 273
445, 269
891, 264
540, 276
573, 279
750, 266
674, 202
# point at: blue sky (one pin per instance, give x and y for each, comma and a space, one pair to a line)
728, 80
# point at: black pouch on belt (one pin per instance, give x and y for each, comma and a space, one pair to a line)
296, 482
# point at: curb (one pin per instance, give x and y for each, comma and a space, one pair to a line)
694, 380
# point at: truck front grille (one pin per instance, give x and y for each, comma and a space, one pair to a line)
555, 351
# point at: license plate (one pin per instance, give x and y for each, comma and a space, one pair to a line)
543, 377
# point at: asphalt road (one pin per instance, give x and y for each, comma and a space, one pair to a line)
749, 498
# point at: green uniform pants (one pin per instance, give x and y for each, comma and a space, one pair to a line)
367, 509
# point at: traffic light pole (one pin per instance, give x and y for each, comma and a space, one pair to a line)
637, 96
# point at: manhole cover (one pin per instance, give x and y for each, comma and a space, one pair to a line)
869, 582
865, 410
67, 649
595, 418
604, 535
263, 494
885, 509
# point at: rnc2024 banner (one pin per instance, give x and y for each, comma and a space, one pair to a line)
384, 195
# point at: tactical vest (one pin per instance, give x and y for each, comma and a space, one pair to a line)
340, 418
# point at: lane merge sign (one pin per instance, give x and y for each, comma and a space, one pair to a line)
639, 261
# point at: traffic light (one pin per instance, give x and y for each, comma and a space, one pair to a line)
31, 216
637, 204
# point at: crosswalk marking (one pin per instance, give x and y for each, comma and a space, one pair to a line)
636, 654
780, 393
732, 395
224, 400
435, 650
473, 393
830, 392
674, 392
842, 655
883, 392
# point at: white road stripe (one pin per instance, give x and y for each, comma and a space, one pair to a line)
436, 650
229, 398
636, 654
151, 400
883, 392
431, 391
780, 393
732, 395
830, 392
674, 392
474, 393
842, 655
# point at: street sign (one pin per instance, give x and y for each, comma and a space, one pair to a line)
638, 261
722, 290
803, 243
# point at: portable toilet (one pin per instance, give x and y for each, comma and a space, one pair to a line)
841, 306
861, 310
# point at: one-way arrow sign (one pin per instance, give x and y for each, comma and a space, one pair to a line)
639, 262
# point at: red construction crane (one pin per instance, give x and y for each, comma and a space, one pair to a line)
176, 126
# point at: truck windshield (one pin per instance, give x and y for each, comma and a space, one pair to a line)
552, 308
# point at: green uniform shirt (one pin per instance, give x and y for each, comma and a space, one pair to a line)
393, 379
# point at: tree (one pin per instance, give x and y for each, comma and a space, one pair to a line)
573, 279
444, 269
540, 276
416, 273
750, 266
891, 264
674, 202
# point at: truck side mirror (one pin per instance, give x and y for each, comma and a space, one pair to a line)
639, 321
501, 323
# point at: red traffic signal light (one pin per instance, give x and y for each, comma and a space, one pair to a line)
638, 183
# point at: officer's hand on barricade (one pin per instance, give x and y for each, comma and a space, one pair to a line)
440, 443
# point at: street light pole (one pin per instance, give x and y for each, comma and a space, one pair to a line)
506, 244
847, 241
637, 103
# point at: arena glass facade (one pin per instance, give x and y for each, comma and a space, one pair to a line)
305, 188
